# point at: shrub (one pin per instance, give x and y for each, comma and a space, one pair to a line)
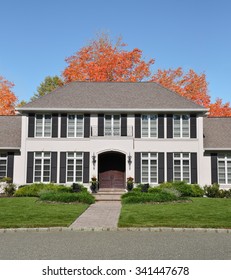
212, 191
9, 189
36, 188
76, 187
148, 197
191, 190
67, 197
144, 188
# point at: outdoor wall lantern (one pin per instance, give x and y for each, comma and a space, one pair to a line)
129, 160
94, 160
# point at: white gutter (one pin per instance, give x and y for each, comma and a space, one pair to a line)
10, 148
217, 149
109, 110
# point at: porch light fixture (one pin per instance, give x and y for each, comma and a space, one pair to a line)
129, 160
94, 160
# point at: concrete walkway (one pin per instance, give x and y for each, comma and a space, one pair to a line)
102, 214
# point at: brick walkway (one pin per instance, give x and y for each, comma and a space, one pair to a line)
101, 214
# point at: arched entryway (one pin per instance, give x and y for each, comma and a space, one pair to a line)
111, 168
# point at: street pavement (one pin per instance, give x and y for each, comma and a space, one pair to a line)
111, 245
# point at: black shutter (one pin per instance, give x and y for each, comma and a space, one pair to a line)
87, 125
193, 126
193, 168
30, 167
137, 167
62, 178
64, 125
214, 177
10, 166
100, 125
160, 167
169, 126
86, 161
124, 125
161, 126
169, 167
31, 124
54, 167
137, 126
54, 125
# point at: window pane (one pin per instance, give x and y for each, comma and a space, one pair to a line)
153, 125
47, 126
71, 125
79, 126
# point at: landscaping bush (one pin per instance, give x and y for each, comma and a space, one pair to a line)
212, 191
215, 191
36, 188
144, 188
67, 197
191, 190
130, 198
76, 187
10, 189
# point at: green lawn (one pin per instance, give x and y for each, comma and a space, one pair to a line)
201, 212
30, 212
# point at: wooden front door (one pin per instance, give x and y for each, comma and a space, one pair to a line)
112, 179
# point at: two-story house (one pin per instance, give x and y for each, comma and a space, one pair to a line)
113, 131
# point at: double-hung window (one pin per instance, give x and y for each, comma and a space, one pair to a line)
149, 167
43, 125
42, 167
74, 167
224, 169
181, 167
75, 126
181, 126
149, 125
112, 125
3, 165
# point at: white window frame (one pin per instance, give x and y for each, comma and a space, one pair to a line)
42, 158
75, 126
112, 125
3, 157
181, 126
43, 126
149, 126
74, 158
223, 158
181, 158
149, 158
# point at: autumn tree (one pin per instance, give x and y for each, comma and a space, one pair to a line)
7, 97
49, 84
217, 109
102, 60
190, 85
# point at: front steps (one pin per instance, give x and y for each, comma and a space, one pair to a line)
109, 194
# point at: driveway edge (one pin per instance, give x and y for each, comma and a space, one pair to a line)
99, 229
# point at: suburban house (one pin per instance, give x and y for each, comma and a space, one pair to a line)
114, 131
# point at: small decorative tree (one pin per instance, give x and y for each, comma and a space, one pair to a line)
130, 183
94, 184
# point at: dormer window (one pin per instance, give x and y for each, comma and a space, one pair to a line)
43, 125
181, 126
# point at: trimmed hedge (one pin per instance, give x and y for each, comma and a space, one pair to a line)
190, 190
158, 195
34, 190
65, 197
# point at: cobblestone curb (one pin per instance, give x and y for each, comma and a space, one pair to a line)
100, 229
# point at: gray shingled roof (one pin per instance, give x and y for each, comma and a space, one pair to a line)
10, 132
112, 95
217, 133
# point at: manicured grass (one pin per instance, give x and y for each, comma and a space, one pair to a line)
30, 212
201, 212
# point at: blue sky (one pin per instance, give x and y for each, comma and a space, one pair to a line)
37, 36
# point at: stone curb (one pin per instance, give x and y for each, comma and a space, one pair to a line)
100, 229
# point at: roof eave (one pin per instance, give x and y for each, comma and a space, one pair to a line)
112, 110
217, 149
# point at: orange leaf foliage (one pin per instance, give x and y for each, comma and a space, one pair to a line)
190, 85
7, 97
218, 109
103, 61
